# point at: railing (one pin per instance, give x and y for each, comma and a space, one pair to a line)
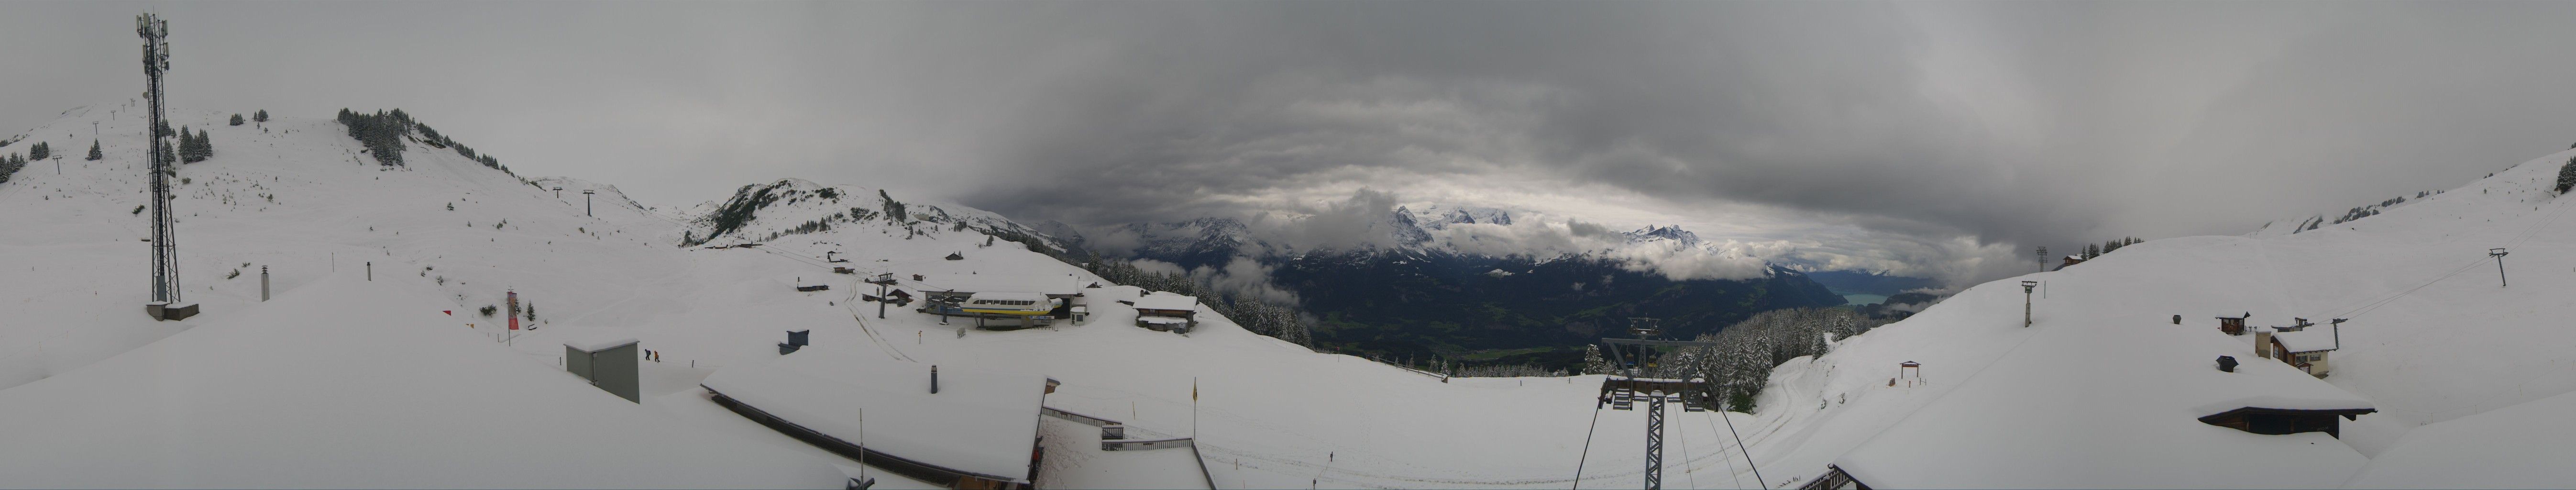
1078, 418
1143, 444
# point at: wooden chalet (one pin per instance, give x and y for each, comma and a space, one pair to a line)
1166, 312
2233, 325
2300, 348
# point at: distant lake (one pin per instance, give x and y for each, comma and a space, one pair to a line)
1864, 299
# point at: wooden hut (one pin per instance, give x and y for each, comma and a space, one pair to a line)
2233, 325
1167, 312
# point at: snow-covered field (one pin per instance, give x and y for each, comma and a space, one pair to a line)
2432, 340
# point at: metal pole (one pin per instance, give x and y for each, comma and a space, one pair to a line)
2026, 287
263, 283
1655, 441
2499, 254
371, 270
165, 253
585, 203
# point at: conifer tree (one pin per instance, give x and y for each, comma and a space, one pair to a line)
194, 146
2567, 176
237, 120
10, 165
39, 151
1593, 363
259, 116
169, 157
94, 154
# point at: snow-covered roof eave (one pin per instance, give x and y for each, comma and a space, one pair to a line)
1166, 302
598, 344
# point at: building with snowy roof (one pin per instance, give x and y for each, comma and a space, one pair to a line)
944, 286
946, 294
2233, 324
961, 427
2302, 348
606, 362
2094, 405
1166, 311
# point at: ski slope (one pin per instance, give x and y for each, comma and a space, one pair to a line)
2433, 340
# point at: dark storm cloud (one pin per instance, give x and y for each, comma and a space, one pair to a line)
1947, 136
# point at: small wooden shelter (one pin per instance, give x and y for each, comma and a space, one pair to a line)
1167, 312
2233, 325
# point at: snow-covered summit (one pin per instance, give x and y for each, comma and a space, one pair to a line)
1440, 216
763, 212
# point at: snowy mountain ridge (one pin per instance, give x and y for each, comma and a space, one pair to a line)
2468, 377
762, 212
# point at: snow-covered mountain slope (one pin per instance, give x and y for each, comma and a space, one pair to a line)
1266, 412
2432, 340
345, 382
2433, 337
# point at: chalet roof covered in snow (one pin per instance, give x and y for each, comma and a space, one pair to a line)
2054, 411
349, 383
2309, 340
1166, 301
1003, 283
982, 422
597, 343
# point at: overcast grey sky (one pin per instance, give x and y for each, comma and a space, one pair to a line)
1923, 137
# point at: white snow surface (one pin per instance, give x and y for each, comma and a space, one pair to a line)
980, 421
2072, 399
2433, 340
348, 383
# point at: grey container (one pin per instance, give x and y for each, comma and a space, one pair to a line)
608, 365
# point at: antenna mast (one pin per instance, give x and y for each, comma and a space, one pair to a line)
165, 303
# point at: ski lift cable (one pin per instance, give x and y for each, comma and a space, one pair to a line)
2346, 310
2392, 297
1587, 446
1748, 454
1683, 436
2541, 224
1721, 455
